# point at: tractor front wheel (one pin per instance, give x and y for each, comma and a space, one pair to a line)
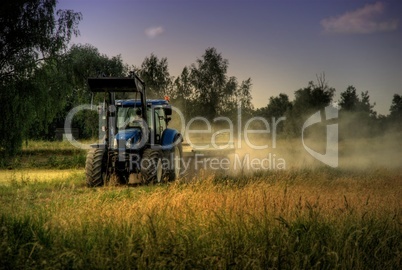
151, 166
95, 167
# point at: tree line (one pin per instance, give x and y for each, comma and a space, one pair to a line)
357, 117
43, 78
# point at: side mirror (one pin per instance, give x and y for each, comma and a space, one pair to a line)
168, 110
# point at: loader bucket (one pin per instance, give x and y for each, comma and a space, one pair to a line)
116, 84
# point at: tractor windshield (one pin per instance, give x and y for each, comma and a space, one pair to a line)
128, 117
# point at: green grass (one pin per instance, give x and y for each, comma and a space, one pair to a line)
46, 155
301, 218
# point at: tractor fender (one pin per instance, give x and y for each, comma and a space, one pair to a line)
169, 137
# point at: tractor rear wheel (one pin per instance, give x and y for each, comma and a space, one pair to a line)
151, 166
175, 162
95, 167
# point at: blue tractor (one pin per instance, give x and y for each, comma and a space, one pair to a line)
137, 145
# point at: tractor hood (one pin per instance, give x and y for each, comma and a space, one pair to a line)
127, 139
128, 134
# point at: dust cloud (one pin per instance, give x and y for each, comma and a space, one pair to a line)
359, 146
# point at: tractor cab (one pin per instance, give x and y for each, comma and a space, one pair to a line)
130, 117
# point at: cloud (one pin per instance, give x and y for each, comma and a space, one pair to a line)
364, 20
154, 31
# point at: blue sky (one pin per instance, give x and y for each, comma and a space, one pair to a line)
280, 45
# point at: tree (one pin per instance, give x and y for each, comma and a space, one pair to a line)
208, 76
365, 106
308, 100
349, 99
64, 86
83, 61
312, 98
53, 87
155, 73
213, 89
357, 117
243, 95
395, 117
204, 84
31, 32
396, 107
183, 92
351, 102
277, 107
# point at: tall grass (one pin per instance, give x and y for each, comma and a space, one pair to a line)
311, 218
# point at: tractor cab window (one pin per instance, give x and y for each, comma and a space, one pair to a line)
160, 119
123, 115
160, 122
127, 116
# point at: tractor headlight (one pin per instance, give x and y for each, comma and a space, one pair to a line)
115, 144
128, 144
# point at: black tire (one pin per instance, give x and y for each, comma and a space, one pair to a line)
151, 166
95, 167
176, 159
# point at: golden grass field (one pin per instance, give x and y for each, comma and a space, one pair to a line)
312, 217
306, 219
37, 175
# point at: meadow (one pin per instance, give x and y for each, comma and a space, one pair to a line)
309, 217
